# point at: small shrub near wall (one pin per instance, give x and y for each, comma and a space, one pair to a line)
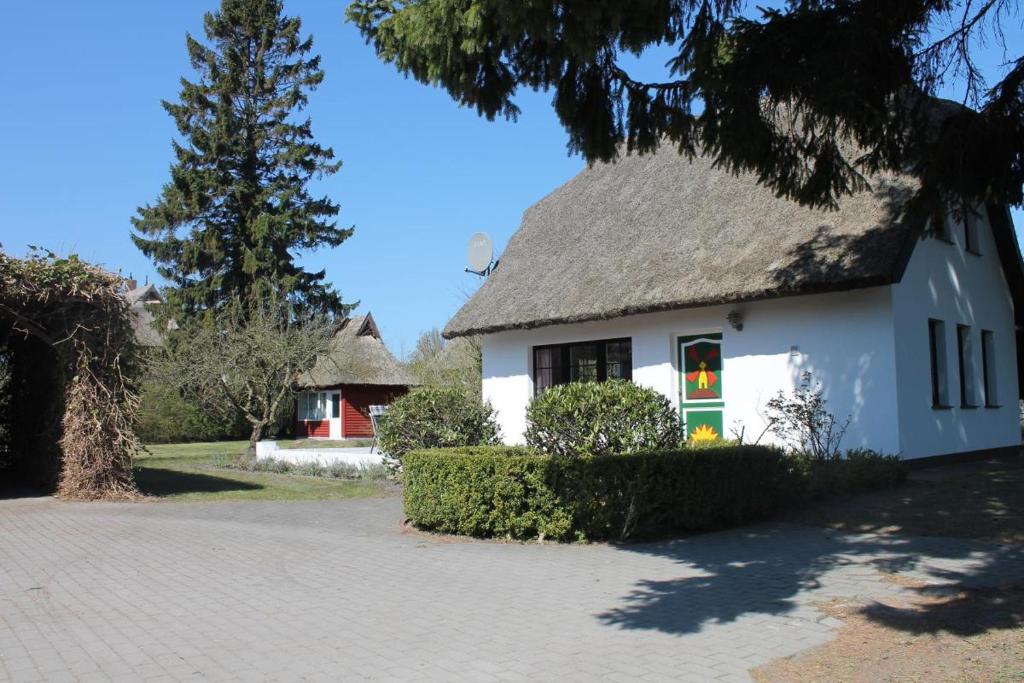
521, 494
857, 471
435, 418
599, 418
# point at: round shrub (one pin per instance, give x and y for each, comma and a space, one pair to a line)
597, 418
435, 418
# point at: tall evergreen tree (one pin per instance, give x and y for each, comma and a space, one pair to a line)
229, 224
776, 92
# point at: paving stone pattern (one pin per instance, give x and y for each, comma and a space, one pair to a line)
338, 591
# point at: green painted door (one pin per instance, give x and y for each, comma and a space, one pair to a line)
701, 396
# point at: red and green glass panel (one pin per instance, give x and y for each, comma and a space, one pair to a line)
700, 359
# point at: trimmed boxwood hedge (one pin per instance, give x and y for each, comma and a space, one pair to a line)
484, 491
520, 494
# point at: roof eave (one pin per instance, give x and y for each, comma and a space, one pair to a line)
829, 288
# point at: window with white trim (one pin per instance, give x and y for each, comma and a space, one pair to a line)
314, 405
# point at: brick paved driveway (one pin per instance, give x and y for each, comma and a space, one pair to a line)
336, 590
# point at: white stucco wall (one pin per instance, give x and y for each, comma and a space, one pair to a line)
946, 282
845, 339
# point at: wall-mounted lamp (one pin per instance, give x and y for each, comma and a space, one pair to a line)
735, 319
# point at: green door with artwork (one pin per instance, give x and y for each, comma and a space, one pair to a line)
700, 382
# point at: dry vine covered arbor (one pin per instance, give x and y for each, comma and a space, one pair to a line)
68, 360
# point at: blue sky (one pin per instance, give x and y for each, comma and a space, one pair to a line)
85, 141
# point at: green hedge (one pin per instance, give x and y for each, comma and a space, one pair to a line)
491, 491
517, 493
860, 470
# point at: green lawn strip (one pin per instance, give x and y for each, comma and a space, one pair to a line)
982, 503
190, 472
198, 452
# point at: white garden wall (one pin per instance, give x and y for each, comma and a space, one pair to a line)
325, 456
946, 282
844, 339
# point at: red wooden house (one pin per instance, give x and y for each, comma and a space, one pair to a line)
357, 372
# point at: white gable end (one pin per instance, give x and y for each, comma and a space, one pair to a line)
966, 292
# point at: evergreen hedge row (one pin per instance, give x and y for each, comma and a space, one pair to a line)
520, 494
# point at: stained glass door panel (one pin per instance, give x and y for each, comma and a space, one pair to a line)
702, 398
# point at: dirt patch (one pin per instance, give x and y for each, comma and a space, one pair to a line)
971, 635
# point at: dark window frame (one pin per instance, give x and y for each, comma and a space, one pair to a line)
935, 328
963, 340
971, 236
564, 366
988, 343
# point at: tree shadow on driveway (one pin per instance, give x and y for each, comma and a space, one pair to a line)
774, 570
845, 547
969, 612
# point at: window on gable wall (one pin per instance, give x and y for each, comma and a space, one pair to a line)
937, 352
988, 368
965, 356
970, 222
942, 231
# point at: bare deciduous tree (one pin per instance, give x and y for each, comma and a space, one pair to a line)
439, 363
246, 364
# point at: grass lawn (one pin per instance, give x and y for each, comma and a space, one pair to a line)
195, 472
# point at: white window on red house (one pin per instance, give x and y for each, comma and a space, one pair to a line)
313, 405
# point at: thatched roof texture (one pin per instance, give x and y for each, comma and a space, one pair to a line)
140, 301
357, 356
659, 232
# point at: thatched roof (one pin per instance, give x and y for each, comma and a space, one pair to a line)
659, 232
357, 356
140, 299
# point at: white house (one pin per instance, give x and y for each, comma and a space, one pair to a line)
709, 289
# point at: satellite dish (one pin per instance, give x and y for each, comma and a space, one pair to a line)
479, 253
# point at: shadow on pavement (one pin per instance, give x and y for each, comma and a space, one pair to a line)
153, 481
12, 491
763, 569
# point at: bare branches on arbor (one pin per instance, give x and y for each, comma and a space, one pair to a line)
77, 312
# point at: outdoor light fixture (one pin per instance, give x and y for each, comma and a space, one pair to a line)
735, 319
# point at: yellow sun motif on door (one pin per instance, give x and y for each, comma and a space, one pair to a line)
704, 433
